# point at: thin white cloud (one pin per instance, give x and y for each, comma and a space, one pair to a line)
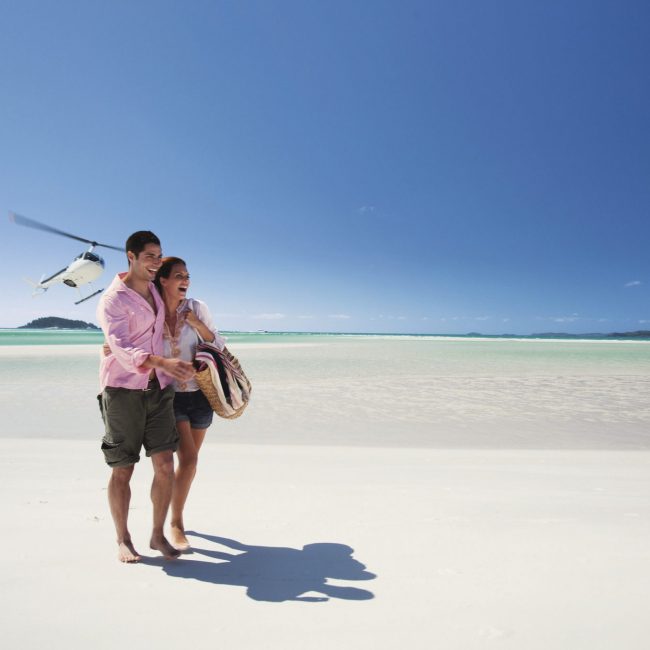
305, 316
466, 318
367, 209
391, 317
273, 316
339, 316
561, 319
633, 283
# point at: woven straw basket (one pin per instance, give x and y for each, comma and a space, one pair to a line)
231, 400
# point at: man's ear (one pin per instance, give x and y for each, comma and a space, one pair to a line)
130, 256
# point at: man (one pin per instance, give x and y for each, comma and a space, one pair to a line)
137, 396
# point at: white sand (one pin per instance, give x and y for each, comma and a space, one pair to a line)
470, 549
520, 546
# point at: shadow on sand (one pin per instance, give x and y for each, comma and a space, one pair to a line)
276, 574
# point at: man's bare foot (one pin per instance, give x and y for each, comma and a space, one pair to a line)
179, 540
161, 544
126, 552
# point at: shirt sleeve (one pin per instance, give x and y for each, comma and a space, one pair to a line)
202, 311
114, 321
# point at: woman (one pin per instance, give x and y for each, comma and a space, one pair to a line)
187, 322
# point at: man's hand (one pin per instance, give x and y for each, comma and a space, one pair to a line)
177, 368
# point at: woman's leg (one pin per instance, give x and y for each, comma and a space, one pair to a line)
188, 453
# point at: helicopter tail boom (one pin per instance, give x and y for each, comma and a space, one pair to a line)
37, 286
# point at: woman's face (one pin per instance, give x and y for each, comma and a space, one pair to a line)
178, 282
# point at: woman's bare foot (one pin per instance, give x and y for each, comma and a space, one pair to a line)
161, 544
126, 552
178, 538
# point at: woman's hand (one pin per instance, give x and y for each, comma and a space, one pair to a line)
193, 319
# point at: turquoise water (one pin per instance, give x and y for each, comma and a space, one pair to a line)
89, 337
345, 355
49, 337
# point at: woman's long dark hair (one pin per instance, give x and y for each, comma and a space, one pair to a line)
165, 270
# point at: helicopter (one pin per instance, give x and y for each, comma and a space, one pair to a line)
85, 268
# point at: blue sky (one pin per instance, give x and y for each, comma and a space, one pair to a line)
338, 166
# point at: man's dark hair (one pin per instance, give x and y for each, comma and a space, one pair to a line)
138, 240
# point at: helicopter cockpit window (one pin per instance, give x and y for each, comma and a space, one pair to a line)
91, 257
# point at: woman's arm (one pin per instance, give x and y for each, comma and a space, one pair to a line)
194, 321
200, 319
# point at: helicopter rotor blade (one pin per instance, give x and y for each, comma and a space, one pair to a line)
32, 223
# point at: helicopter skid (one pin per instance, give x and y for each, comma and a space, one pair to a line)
92, 295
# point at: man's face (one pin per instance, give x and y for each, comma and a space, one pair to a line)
145, 265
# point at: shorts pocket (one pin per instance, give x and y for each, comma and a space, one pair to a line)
116, 454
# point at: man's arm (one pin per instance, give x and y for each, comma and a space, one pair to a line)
114, 321
179, 371
177, 368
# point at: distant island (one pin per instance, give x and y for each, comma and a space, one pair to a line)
56, 323
638, 334
641, 334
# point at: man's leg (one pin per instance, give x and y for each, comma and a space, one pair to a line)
119, 497
123, 415
161, 494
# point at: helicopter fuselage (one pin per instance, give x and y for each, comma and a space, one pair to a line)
85, 268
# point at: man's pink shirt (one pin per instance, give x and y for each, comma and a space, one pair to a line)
133, 331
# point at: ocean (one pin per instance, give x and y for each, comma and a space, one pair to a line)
380, 390
15, 336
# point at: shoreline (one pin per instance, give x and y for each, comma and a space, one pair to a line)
374, 394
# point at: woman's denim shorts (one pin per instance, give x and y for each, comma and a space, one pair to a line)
194, 408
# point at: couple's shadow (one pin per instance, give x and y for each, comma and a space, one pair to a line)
276, 574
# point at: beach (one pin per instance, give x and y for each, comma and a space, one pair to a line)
378, 491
